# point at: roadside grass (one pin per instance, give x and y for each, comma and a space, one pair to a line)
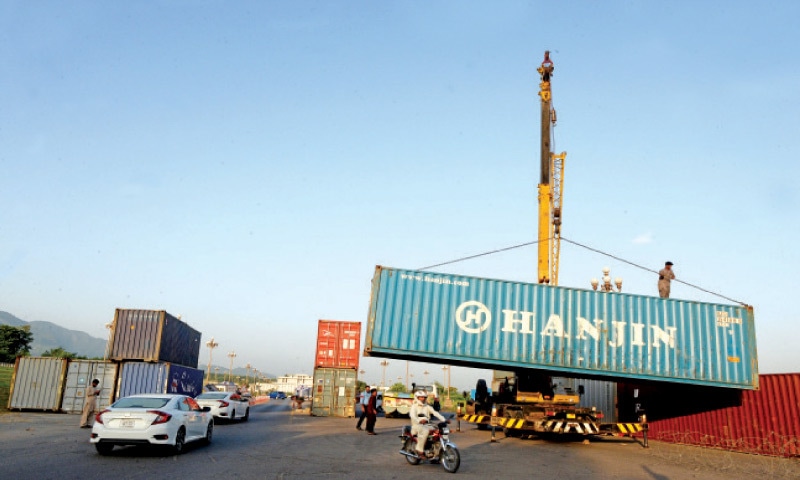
5, 387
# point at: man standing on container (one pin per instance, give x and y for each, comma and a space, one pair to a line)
364, 401
90, 403
665, 276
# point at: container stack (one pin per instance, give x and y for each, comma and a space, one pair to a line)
150, 351
336, 368
156, 353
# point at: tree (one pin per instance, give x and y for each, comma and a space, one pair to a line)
14, 341
398, 388
59, 352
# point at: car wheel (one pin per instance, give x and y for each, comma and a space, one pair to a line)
246, 415
209, 433
180, 441
104, 448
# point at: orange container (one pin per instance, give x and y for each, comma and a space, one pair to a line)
338, 344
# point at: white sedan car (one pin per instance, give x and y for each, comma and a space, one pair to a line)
227, 405
152, 419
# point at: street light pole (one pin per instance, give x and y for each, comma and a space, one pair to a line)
211, 344
110, 327
384, 364
231, 355
247, 375
606, 285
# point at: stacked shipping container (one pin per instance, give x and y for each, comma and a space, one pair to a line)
335, 368
37, 383
151, 351
158, 353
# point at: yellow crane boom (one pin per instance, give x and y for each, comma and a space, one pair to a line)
551, 184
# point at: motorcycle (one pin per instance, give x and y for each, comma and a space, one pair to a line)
438, 448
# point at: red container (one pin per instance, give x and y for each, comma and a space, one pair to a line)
338, 344
765, 421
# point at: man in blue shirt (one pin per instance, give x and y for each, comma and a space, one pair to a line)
363, 401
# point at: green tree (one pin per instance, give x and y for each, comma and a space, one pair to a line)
59, 352
14, 341
398, 388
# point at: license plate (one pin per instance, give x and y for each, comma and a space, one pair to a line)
127, 423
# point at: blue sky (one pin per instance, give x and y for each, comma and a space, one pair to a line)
246, 166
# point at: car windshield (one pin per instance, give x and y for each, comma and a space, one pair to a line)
141, 402
211, 396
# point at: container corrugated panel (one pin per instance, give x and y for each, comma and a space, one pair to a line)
185, 380
80, 374
334, 392
598, 394
153, 336
500, 324
765, 422
338, 344
143, 377
37, 383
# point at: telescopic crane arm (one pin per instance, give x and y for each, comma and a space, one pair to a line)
550, 184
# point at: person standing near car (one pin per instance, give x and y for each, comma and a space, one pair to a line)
90, 403
363, 401
372, 411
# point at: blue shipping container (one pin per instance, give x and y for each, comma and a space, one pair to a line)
494, 323
140, 377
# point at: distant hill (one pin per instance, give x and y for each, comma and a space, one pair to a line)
47, 335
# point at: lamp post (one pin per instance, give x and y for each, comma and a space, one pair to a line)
606, 285
247, 375
110, 327
231, 355
425, 374
211, 345
384, 364
216, 374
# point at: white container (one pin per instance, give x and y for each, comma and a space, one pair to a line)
80, 374
37, 383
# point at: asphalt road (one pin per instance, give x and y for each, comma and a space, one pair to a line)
278, 444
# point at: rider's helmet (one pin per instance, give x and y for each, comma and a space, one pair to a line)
421, 393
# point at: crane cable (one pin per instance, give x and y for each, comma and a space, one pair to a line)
481, 255
470, 257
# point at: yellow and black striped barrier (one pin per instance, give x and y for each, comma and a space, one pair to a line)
512, 422
476, 418
630, 428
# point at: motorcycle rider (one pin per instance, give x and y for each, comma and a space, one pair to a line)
420, 414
